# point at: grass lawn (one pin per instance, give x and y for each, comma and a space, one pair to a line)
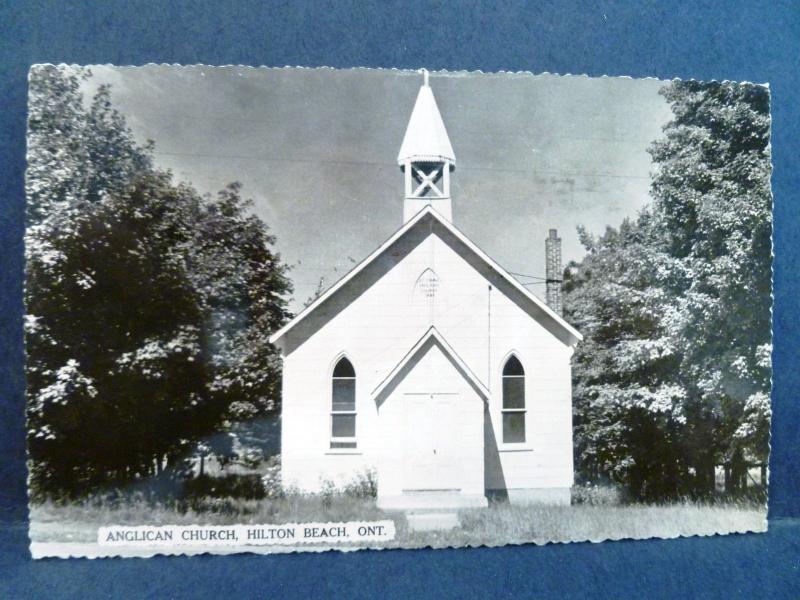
497, 525
505, 524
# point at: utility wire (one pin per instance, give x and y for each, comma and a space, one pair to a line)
395, 166
525, 275
543, 282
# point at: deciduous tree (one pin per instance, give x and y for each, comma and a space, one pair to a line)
674, 375
149, 306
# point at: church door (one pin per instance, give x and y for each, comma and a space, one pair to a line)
431, 459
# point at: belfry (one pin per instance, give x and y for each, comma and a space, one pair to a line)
426, 158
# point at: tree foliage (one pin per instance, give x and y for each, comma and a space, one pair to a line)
674, 375
149, 306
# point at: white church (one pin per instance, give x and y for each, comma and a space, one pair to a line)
429, 364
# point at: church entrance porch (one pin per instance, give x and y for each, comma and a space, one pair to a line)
432, 437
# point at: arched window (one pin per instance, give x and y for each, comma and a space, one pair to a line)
427, 284
513, 401
343, 405
427, 289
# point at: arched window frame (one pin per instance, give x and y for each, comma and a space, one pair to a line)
426, 287
343, 419
514, 402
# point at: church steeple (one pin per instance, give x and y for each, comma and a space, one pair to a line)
426, 158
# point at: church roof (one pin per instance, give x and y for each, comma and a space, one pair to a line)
426, 138
424, 216
432, 335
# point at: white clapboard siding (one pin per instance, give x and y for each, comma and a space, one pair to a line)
375, 320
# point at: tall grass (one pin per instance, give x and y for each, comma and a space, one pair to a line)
499, 524
506, 524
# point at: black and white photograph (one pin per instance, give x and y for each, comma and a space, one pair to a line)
304, 309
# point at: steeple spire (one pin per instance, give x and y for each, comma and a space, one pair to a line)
426, 157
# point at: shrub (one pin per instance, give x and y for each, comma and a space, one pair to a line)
271, 479
327, 492
596, 494
229, 486
365, 485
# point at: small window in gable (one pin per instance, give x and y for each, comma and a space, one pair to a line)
427, 289
513, 402
343, 405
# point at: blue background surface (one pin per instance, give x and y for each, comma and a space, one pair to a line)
730, 40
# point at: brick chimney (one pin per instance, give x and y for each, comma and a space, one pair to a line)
554, 273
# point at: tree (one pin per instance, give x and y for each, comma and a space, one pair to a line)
149, 306
675, 306
628, 409
712, 195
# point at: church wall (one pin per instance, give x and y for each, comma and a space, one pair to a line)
378, 327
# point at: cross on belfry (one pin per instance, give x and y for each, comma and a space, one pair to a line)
428, 181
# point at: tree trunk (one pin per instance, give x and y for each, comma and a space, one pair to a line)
738, 472
704, 478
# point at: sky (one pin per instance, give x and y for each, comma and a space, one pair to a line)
316, 150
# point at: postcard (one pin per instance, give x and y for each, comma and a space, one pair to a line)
292, 309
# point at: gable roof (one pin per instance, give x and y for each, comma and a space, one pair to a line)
428, 211
426, 138
432, 334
